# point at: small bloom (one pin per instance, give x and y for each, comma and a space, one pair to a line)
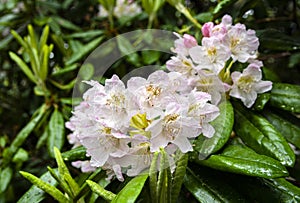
183, 44
248, 84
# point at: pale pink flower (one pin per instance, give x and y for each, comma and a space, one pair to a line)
248, 84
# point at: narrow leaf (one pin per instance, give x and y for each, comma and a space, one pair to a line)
50, 189
64, 172
19, 39
56, 131
23, 66
68, 86
132, 190
78, 153
181, 165
88, 48
33, 38
153, 178
35, 194
105, 194
44, 38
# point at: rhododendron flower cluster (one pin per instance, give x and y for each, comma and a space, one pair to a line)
121, 126
206, 67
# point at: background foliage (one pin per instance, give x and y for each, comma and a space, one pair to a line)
42, 47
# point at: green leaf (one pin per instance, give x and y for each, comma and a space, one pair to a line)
44, 38
207, 188
150, 56
179, 173
277, 41
105, 194
22, 135
50, 189
286, 97
64, 172
127, 49
45, 60
68, 86
290, 131
19, 39
243, 160
56, 131
132, 190
32, 37
222, 6
64, 70
35, 194
5, 177
164, 179
23, 66
86, 71
20, 156
78, 153
261, 101
88, 48
258, 133
153, 177
86, 35
65, 23
286, 191
223, 127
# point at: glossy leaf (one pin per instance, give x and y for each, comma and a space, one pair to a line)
164, 179
286, 97
261, 101
35, 194
78, 153
258, 133
242, 160
23, 66
290, 131
50, 189
105, 194
223, 127
56, 131
207, 188
132, 190
222, 5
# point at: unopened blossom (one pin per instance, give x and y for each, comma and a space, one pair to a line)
183, 44
212, 55
248, 84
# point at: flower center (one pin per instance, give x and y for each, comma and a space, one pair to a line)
245, 83
152, 93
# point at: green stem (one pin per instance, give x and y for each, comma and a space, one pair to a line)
181, 8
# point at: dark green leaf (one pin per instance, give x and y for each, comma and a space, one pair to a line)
22, 135
86, 35
242, 160
132, 190
35, 194
258, 133
153, 178
164, 179
150, 57
286, 97
223, 126
261, 101
290, 131
222, 5
127, 49
56, 131
206, 187
64, 70
20, 156
65, 23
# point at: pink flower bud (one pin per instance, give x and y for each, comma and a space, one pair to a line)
189, 41
206, 29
